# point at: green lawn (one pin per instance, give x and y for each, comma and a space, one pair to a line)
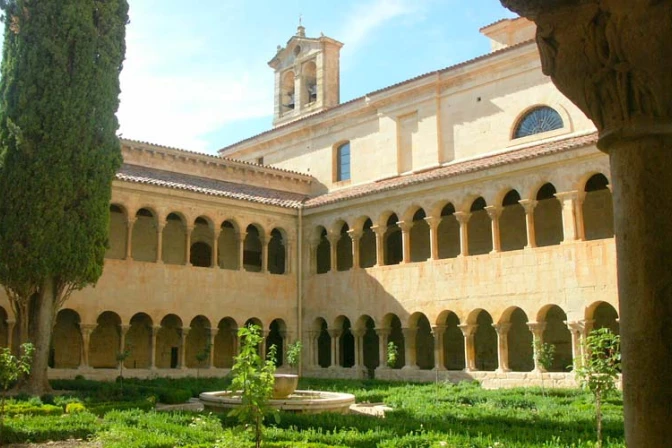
427, 415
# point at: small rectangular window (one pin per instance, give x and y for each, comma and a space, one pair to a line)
343, 162
260, 161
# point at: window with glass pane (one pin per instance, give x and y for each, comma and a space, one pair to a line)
343, 162
538, 120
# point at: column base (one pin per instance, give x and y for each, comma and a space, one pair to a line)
410, 368
498, 370
439, 369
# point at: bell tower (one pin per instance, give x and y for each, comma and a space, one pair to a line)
307, 76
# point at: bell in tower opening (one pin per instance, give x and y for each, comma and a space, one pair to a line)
307, 76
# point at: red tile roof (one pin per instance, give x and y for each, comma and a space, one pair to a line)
179, 181
469, 166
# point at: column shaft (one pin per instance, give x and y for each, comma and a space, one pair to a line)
433, 223
129, 238
463, 219
215, 251
155, 332
439, 355
502, 346
159, 243
183, 348
406, 240
468, 331
410, 348
529, 206
383, 335
380, 244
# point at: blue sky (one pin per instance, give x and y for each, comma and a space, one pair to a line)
196, 74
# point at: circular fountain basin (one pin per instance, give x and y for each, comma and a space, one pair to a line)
304, 401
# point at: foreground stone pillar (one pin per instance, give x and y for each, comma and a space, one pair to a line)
612, 58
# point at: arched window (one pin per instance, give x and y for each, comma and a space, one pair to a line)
343, 162
538, 120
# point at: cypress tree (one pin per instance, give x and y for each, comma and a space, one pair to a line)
59, 151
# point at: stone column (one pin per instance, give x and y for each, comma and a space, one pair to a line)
122, 340
335, 347
235, 343
529, 205
333, 254
406, 227
358, 334
537, 329
355, 236
494, 212
183, 348
211, 356
313, 255
409, 348
313, 348
187, 249
264, 343
502, 346
10, 334
129, 238
463, 219
380, 244
265, 239
87, 329
241, 250
469, 330
569, 228
289, 247
383, 336
159, 243
587, 325
155, 333
433, 223
439, 356
576, 329
215, 249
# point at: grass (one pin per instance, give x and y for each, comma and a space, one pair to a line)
424, 415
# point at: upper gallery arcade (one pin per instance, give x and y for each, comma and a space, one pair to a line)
461, 214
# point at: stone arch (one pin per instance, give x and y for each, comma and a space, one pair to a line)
105, 341
138, 341
548, 216
419, 237
346, 342
485, 340
225, 343
277, 336
198, 342
394, 253
277, 252
228, 246
118, 232
537, 119
258, 323
603, 315
512, 225
169, 343
598, 209
66, 341
453, 341
174, 240
252, 248
480, 228
519, 336
367, 245
424, 341
202, 240
448, 233
344, 249
557, 334
396, 336
323, 355
144, 238
323, 251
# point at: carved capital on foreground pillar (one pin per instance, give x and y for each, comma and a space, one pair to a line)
593, 51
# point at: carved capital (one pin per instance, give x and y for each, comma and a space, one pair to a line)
494, 211
607, 57
528, 205
462, 217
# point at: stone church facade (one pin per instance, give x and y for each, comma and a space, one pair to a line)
461, 214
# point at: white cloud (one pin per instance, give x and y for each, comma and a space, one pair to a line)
365, 18
174, 94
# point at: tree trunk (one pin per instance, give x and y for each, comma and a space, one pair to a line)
41, 329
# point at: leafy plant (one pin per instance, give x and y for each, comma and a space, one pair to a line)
294, 354
11, 369
392, 354
599, 370
253, 379
544, 353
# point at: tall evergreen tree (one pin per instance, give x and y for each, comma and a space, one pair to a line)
59, 151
